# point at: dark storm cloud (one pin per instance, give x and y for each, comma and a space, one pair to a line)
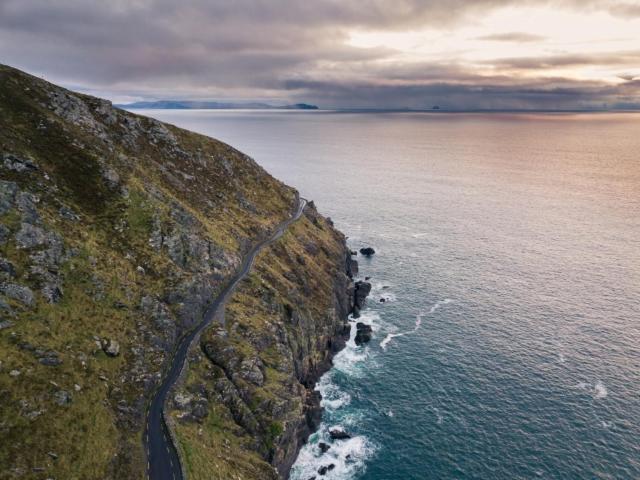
475, 92
277, 49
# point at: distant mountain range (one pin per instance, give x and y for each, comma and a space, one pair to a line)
206, 105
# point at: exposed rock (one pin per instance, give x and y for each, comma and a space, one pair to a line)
18, 164
110, 347
14, 373
367, 251
182, 401
324, 447
49, 358
30, 236
5, 324
338, 434
363, 333
251, 370
20, 293
62, 398
7, 270
4, 234
68, 214
361, 291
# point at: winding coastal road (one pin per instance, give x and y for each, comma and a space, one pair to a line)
163, 462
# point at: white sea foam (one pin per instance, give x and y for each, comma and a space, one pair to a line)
348, 457
439, 418
561, 358
333, 397
432, 309
599, 390
354, 359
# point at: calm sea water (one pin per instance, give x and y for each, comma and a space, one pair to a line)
509, 344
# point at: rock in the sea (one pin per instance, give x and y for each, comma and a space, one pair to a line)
324, 447
363, 333
111, 347
338, 434
367, 251
382, 300
361, 291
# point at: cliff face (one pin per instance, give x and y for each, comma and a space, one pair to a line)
248, 403
116, 231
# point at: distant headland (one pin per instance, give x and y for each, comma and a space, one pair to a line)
209, 105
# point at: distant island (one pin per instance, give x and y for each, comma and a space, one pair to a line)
207, 105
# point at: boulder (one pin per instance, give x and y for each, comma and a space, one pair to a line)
7, 269
5, 324
367, 251
363, 333
182, 401
62, 398
30, 236
49, 358
338, 434
110, 347
18, 164
362, 290
17, 292
324, 447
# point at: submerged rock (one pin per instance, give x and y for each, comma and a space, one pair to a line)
367, 251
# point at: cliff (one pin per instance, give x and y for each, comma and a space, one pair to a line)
116, 232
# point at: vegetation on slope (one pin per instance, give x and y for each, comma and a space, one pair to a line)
248, 403
115, 232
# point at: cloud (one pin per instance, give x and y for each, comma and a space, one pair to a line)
517, 37
287, 50
616, 58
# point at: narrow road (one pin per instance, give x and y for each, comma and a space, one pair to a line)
162, 456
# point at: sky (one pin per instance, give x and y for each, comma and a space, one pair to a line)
457, 54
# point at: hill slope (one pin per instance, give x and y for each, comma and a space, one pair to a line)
116, 231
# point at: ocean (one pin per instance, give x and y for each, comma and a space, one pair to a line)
508, 256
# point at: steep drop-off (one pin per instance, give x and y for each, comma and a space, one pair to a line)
116, 232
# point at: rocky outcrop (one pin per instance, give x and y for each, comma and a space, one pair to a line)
363, 333
367, 251
360, 294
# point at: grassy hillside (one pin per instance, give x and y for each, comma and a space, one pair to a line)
115, 232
